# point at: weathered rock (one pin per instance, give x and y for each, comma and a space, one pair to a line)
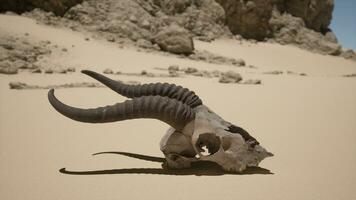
291, 30
239, 62
230, 77
328, 48
8, 71
252, 66
203, 73
190, 70
37, 71
146, 24
111, 38
25, 86
17, 85
349, 75
71, 69
61, 71
216, 73
7, 68
144, 43
331, 37
316, 14
252, 82
172, 7
144, 72
173, 73
175, 39
148, 74
133, 19
19, 64
59, 7
108, 71
142, 20
248, 18
205, 19
48, 71
275, 72
173, 68
349, 54
19, 53
209, 57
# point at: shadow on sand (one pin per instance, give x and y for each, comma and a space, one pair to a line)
201, 168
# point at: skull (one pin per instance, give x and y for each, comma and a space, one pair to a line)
210, 138
196, 133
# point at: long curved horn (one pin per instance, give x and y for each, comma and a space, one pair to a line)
162, 89
168, 110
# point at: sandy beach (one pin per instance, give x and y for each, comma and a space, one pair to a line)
307, 122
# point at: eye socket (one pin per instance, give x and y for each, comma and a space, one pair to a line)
208, 143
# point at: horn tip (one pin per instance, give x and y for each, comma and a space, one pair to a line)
51, 91
51, 96
87, 72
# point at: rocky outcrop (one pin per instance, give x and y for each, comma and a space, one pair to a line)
316, 14
230, 77
175, 39
18, 54
172, 7
349, 54
248, 18
21, 54
301, 23
59, 7
287, 29
251, 18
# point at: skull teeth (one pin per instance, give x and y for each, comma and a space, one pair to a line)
205, 151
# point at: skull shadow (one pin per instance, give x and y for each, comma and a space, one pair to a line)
200, 168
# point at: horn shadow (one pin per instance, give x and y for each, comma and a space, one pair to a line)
200, 168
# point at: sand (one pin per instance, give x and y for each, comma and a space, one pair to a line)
308, 122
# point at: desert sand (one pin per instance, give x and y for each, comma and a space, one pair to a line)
308, 122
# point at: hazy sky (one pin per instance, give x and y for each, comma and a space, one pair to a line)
343, 23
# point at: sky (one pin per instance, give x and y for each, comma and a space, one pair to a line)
343, 23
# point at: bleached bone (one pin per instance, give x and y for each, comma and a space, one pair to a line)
196, 133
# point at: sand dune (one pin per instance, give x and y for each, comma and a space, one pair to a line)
308, 122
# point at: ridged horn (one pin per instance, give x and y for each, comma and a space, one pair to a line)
162, 89
171, 111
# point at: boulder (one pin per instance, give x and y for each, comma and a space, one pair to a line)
349, 54
172, 7
230, 77
252, 82
59, 7
175, 39
190, 70
288, 29
316, 14
48, 71
7, 68
173, 68
108, 71
248, 18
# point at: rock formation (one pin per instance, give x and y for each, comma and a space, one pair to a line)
175, 39
248, 18
301, 23
287, 29
59, 7
316, 14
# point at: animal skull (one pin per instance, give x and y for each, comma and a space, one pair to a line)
196, 133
